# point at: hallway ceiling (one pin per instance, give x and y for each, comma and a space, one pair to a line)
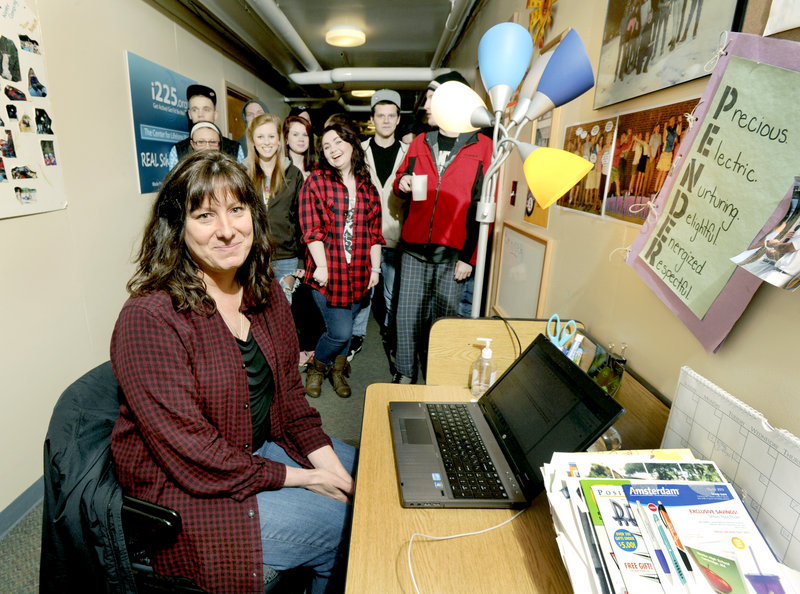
284, 42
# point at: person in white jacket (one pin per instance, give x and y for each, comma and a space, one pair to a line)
384, 155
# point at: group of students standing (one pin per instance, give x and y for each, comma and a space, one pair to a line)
341, 218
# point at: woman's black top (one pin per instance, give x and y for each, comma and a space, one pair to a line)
262, 388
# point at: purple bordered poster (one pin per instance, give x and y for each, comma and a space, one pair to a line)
729, 184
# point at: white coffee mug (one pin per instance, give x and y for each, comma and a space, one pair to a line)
419, 187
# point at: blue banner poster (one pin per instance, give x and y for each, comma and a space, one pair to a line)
158, 102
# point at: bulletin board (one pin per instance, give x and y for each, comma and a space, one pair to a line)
524, 267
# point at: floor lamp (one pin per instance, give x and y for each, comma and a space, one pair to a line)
555, 78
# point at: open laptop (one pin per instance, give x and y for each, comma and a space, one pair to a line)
543, 403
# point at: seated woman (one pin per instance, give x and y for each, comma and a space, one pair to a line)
213, 418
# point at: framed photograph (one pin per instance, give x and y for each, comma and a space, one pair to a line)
524, 267
648, 143
594, 141
649, 45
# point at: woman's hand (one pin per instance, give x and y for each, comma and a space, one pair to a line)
321, 275
300, 273
462, 271
321, 481
374, 279
404, 185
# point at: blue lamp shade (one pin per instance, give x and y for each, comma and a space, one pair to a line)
550, 172
504, 54
457, 108
568, 75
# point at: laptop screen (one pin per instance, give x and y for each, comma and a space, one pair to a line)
544, 403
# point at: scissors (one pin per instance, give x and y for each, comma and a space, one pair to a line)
561, 335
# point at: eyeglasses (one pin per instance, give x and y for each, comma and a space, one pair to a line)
205, 143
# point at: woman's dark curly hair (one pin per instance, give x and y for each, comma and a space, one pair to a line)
358, 161
164, 262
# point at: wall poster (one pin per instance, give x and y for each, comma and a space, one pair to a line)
649, 46
158, 102
643, 155
594, 141
732, 187
30, 169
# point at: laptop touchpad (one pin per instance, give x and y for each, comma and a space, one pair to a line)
415, 431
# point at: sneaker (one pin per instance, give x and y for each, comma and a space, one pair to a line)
355, 346
399, 378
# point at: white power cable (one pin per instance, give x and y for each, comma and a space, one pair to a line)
411, 540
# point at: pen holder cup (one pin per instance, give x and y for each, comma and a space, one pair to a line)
606, 369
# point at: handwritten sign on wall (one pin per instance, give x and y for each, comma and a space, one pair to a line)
729, 186
744, 158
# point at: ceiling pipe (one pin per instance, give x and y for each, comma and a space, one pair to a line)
459, 13
355, 75
275, 19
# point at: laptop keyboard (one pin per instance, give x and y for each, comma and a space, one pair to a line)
469, 468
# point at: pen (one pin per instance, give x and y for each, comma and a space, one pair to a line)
675, 564
662, 560
662, 511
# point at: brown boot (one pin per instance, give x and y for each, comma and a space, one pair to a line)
315, 375
340, 369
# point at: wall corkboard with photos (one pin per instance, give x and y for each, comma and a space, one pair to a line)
30, 171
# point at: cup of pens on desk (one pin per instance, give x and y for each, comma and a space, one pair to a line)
609, 376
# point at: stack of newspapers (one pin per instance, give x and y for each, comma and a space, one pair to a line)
656, 521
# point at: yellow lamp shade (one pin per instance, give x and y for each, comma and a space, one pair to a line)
551, 172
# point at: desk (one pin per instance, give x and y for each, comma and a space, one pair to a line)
519, 557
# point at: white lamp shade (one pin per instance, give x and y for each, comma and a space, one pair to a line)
457, 108
530, 84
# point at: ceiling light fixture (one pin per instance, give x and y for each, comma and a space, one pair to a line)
345, 36
363, 93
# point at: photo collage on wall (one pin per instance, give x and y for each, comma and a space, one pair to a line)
30, 173
635, 152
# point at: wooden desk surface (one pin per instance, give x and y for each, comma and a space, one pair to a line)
522, 556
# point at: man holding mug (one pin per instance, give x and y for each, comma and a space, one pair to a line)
440, 234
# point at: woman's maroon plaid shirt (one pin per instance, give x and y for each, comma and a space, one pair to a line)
323, 210
183, 437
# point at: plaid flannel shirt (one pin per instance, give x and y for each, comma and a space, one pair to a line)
323, 210
183, 435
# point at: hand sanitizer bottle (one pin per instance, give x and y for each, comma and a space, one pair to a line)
484, 371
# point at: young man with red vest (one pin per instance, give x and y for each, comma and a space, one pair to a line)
440, 234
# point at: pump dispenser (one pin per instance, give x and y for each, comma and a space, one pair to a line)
484, 370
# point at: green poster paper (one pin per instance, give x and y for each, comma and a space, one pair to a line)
741, 164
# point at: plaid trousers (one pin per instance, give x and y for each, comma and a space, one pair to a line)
427, 292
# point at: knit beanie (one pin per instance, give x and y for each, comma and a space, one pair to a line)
447, 76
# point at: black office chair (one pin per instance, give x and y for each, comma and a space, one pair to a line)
95, 538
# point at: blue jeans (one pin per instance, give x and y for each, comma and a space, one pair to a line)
283, 268
388, 269
465, 304
300, 528
335, 340
362, 317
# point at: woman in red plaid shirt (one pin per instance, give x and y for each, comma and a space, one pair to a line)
340, 214
213, 420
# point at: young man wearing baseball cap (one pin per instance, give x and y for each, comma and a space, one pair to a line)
384, 155
202, 108
440, 233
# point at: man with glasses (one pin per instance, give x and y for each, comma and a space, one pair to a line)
203, 108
